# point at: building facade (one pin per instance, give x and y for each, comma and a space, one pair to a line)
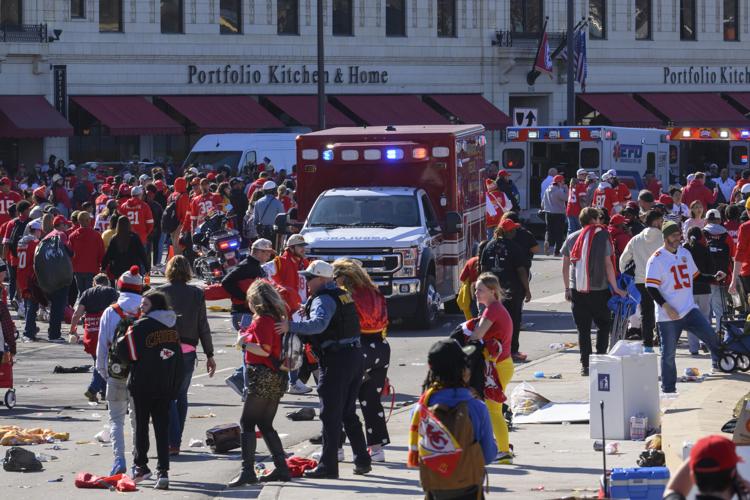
80, 54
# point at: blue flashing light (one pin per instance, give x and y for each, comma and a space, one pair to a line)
328, 155
745, 134
390, 154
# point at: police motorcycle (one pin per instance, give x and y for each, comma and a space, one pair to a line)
217, 248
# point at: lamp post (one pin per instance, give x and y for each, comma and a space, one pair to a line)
571, 84
321, 71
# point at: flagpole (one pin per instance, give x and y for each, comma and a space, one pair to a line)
571, 115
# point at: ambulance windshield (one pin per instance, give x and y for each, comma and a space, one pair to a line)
365, 211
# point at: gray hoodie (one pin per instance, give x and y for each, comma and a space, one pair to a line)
555, 199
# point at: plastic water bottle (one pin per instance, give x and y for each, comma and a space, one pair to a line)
557, 346
539, 374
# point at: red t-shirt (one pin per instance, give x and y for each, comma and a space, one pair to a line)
6, 200
88, 250
742, 254
262, 331
732, 227
25, 264
604, 198
623, 194
573, 209
200, 207
502, 327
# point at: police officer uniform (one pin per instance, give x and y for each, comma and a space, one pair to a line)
331, 325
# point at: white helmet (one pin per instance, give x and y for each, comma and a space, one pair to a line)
745, 189
269, 185
606, 176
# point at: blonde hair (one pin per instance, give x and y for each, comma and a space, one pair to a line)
695, 204
490, 281
178, 269
264, 300
353, 275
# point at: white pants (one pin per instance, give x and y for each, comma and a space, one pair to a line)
118, 398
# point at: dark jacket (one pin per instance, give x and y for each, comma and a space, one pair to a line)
239, 204
702, 258
507, 189
119, 262
189, 303
246, 271
157, 210
154, 347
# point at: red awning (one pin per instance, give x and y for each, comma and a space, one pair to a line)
304, 110
622, 110
214, 114
742, 98
696, 110
392, 110
129, 115
31, 116
473, 108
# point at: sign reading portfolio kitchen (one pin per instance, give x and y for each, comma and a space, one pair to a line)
282, 74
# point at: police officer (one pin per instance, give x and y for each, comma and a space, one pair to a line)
331, 325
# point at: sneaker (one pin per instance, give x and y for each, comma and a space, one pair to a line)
162, 481
141, 474
119, 467
378, 455
26, 339
585, 371
58, 340
91, 396
319, 454
236, 384
21, 310
519, 357
298, 388
14, 304
648, 349
504, 458
316, 439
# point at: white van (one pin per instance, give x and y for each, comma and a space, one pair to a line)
241, 151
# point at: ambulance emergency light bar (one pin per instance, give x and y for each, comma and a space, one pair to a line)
390, 152
708, 134
559, 133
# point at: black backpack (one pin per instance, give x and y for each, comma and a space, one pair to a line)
21, 460
15, 236
492, 257
118, 367
52, 265
169, 220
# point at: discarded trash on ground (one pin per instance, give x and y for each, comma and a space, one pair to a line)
692, 375
524, 400
207, 415
301, 414
103, 435
21, 460
612, 448
556, 413
195, 443
72, 369
12, 435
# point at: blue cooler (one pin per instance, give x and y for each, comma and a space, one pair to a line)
647, 483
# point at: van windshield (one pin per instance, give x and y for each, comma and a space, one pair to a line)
212, 160
365, 211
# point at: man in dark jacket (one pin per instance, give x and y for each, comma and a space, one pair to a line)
153, 346
239, 200
156, 238
505, 185
189, 304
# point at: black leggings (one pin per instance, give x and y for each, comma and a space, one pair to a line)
261, 412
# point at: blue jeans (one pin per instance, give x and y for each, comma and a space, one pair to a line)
158, 244
57, 302
240, 321
84, 281
32, 307
178, 408
574, 224
98, 384
669, 333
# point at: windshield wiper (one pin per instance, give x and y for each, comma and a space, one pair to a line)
324, 224
386, 225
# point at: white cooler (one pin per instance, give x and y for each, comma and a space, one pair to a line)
628, 385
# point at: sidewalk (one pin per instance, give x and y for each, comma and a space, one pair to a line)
552, 461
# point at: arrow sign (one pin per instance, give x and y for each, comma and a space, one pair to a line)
530, 119
525, 117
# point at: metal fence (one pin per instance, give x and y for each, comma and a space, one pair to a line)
23, 33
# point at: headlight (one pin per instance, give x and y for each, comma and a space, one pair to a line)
409, 258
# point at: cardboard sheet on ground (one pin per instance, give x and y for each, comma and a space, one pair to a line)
556, 413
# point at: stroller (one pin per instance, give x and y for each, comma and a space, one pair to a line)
623, 308
6, 379
734, 341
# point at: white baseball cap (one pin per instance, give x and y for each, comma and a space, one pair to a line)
611, 172
606, 176
35, 225
269, 185
318, 269
262, 244
136, 191
581, 171
713, 214
295, 239
144, 177
745, 189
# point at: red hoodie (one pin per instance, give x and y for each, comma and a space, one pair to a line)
286, 268
88, 250
696, 190
183, 202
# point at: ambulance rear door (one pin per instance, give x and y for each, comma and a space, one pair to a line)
515, 159
738, 157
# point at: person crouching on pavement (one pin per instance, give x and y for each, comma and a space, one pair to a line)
130, 286
91, 305
331, 324
373, 320
153, 346
266, 383
496, 325
448, 411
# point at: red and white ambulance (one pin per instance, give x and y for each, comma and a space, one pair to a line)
406, 201
696, 148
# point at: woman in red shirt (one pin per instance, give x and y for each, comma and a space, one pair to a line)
265, 383
496, 325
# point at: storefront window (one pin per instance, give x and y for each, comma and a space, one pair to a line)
731, 17
446, 18
230, 20
687, 20
287, 17
395, 17
171, 16
77, 9
110, 16
597, 19
526, 16
643, 19
343, 17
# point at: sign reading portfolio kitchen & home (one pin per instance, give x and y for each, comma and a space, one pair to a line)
282, 74
707, 75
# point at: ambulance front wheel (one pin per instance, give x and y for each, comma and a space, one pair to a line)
428, 306
10, 398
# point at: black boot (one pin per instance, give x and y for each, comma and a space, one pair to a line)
247, 474
281, 471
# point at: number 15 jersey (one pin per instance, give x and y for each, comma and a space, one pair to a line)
672, 274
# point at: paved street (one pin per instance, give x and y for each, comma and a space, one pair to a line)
556, 457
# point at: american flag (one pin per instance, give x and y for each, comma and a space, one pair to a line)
580, 62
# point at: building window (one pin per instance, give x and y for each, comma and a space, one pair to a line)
526, 16
687, 20
643, 19
287, 17
171, 16
395, 17
598, 19
343, 17
110, 16
10, 12
446, 18
731, 20
77, 9
230, 17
